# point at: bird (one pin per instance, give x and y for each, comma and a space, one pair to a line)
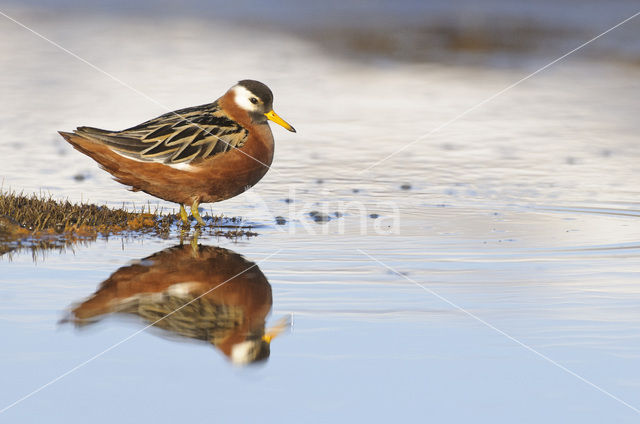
199, 154
208, 293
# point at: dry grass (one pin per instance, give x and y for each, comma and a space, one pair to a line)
41, 222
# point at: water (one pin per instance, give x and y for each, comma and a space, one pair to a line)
520, 227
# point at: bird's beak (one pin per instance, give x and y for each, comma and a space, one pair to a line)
272, 116
280, 326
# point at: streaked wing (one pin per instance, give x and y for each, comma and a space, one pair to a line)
183, 136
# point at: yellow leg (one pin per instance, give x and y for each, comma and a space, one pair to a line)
196, 215
194, 242
183, 214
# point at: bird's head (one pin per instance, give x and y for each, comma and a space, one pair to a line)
257, 348
257, 100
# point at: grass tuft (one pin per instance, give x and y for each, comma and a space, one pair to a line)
40, 221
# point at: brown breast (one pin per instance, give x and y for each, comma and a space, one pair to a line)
232, 173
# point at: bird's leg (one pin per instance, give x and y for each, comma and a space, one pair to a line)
183, 214
196, 215
194, 242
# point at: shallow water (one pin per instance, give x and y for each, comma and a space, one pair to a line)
518, 233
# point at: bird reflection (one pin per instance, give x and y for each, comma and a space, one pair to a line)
197, 292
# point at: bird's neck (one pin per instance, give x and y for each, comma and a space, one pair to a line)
228, 104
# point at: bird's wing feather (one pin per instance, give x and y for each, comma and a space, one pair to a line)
182, 136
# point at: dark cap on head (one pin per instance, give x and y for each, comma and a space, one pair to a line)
259, 89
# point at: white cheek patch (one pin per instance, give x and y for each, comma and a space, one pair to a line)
241, 353
242, 96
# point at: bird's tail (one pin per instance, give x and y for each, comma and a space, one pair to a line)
94, 148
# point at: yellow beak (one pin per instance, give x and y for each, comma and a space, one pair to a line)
272, 116
280, 326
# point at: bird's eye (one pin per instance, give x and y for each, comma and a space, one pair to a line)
253, 100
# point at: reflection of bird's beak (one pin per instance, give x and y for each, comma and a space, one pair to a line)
276, 330
272, 116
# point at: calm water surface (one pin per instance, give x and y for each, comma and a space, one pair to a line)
518, 224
